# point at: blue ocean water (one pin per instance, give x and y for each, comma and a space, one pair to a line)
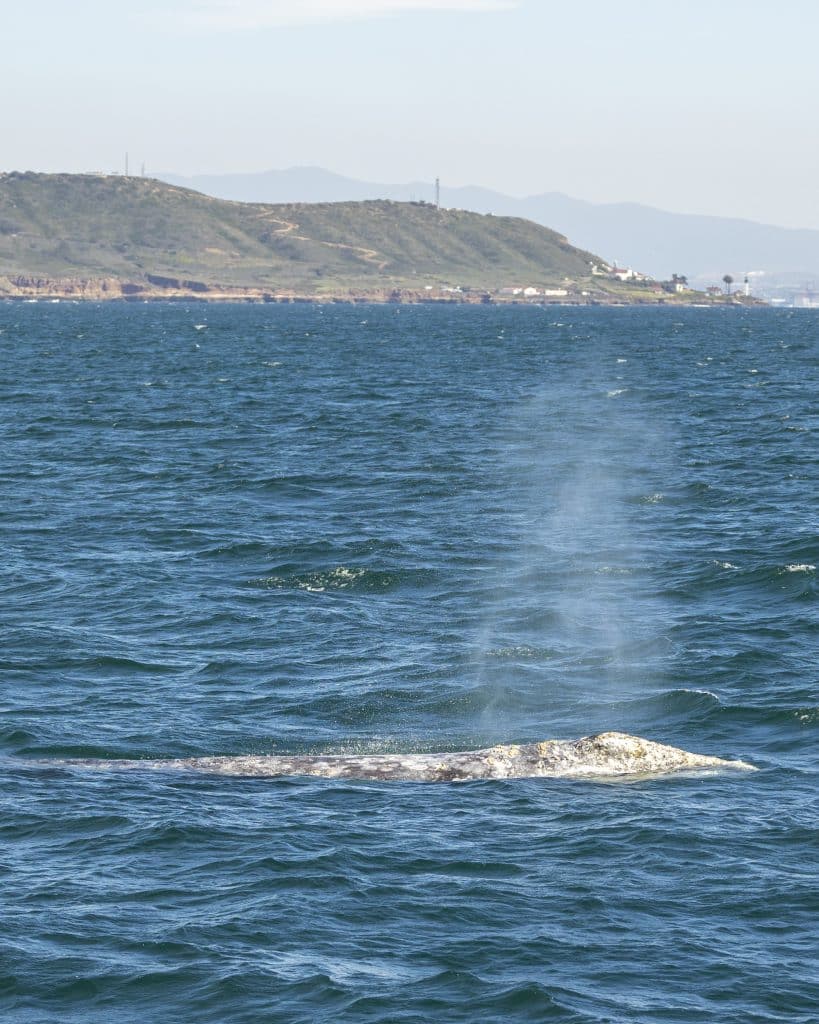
260, 529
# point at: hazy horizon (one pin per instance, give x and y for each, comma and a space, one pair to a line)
429, 184
705, 110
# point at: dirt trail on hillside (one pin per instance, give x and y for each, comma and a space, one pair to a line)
364, 254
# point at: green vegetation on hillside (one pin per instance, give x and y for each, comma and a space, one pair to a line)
89, 226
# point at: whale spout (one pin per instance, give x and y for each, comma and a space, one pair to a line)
609, 755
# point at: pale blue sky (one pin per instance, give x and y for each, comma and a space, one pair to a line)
699, 107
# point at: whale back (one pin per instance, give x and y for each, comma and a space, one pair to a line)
619, 753
607, 754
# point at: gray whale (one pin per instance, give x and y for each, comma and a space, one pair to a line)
605, 755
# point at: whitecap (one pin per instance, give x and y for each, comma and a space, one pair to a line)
800, 567
518, 651
343, 577
294, 966
616, 392
316, 582
700, 692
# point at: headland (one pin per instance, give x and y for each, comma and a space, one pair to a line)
110, 237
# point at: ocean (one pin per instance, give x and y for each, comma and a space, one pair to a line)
235, 529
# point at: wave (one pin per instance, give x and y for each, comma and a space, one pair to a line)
353, 578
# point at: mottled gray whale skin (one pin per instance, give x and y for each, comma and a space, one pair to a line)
607, 755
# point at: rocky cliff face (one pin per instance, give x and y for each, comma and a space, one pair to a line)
75, 287
102, 288
155, 287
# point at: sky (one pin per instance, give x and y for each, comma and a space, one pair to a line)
696, 107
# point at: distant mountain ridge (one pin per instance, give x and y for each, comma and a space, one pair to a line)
653, 241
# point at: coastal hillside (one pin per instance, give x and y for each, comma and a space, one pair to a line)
142, 235
657, 242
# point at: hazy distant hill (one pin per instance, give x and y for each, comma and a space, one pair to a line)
653, 241
73, 226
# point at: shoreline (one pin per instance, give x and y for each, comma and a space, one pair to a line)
115, 290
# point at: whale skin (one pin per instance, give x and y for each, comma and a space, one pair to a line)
605, 755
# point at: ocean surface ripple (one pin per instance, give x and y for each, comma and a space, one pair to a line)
277, 529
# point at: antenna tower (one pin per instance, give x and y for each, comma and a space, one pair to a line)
437, 193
